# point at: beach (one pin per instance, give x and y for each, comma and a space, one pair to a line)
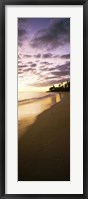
44, 148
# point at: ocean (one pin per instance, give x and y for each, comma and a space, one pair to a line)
30, 95
30, 105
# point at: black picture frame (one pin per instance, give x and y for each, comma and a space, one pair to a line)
3, 3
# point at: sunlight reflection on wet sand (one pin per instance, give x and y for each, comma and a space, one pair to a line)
27, 113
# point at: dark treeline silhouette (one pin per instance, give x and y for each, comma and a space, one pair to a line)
60, 87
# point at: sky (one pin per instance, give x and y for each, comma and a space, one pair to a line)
43, 52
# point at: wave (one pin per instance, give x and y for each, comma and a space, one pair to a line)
31, 100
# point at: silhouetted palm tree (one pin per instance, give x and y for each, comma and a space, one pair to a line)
61, 87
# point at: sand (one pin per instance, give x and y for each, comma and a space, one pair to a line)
44, 149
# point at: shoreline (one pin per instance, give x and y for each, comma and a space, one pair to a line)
33, 100
44, 149
28, 112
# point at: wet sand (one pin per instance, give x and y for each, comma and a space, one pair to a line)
44, 149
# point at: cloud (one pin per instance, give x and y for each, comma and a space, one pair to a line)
51, 69
52, 77
22, 66
43, 68
27, 69
64, 66
33, 65
27, 56
61, 73
46, 69
20, 71
48, 55
20, 43
30, 71
46, 63
66, 56
19, 62
24, 23
47, 83
57, 34
42, 45
21, 32
56, 56
37, 60
30, 62
19, 56
22, 36
37, 55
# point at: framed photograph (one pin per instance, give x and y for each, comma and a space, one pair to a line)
44, 94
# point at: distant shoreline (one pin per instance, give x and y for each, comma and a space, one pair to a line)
57, 91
